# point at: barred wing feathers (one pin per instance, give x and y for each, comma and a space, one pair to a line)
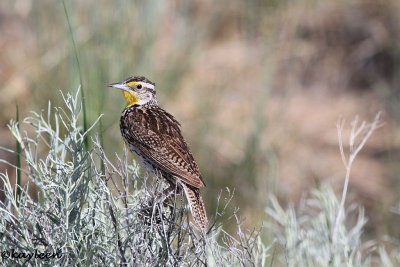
157, 135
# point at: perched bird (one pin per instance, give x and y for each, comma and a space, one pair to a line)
155, 137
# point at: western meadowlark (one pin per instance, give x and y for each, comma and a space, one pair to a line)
155, 137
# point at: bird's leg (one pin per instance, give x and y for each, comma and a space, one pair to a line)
166, 197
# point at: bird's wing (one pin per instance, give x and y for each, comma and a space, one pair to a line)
159, 139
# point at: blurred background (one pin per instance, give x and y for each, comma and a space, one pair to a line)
258, 86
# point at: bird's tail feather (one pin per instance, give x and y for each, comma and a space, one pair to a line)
196, 205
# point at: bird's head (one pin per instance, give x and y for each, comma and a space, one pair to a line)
137, 90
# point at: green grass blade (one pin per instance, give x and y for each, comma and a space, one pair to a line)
75, 51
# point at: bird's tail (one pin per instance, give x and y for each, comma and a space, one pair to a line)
196, 205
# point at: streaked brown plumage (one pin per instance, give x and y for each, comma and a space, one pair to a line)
155, 136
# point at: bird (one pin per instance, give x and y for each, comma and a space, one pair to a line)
155, 136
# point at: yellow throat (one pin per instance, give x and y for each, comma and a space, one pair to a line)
131, 98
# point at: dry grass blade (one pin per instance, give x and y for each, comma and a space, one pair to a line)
355, 147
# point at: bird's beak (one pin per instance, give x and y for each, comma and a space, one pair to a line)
120, 86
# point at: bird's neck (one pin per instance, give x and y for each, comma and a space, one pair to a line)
131, 99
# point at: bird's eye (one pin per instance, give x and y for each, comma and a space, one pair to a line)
139, 86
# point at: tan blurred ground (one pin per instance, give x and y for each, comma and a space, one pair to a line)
258, 87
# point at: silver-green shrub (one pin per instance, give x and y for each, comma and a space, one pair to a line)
90, 211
